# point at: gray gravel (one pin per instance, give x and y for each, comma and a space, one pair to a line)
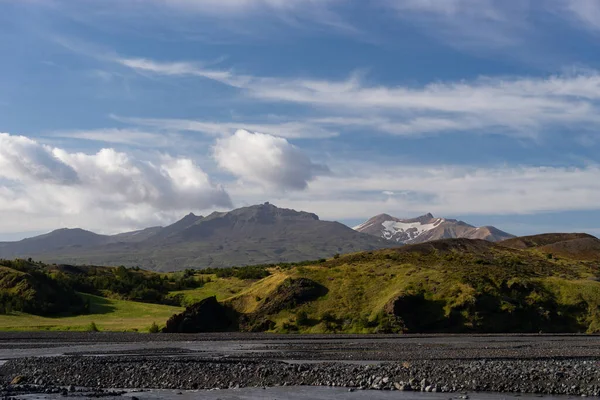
548, 364
563, 376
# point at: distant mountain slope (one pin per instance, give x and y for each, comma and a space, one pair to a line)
427, 228
136, 236
249, 235
544, 239
59, 240
579, 246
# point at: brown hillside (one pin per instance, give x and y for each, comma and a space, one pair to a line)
475, 246
525, 242
586, 249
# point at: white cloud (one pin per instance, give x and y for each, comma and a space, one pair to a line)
233, 7
103, 191
357, 190
481, 25
239, 19
112, 191
267, 160
181, 68
24, 159
120, 136
519, 106
586, 12
286, 129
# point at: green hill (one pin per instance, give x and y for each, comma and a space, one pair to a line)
455, 285
26, 287
451, 285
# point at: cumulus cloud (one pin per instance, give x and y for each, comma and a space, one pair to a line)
267, 160
24, 159
77, 188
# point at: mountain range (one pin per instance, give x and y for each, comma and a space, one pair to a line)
258, 234
427, 228
250, 235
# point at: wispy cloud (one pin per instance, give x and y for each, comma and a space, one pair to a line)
481, 25
196, 18
519, 106
120, 136
289, 130
586, 12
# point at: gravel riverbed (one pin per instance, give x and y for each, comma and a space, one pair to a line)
54, 363
549, 376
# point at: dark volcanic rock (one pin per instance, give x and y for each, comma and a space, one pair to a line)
206, 316
291, 293
211, 316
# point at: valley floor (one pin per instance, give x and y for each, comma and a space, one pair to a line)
106, 314
546, 364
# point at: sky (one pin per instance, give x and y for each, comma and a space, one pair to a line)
121, 114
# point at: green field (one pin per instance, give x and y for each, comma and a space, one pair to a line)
107, 314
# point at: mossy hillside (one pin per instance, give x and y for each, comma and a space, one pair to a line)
446, 286
456, 286
27, 288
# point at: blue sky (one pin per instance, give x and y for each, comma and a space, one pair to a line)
121, 114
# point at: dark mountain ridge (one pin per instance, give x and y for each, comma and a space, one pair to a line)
249, 235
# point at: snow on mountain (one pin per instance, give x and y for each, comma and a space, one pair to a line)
392, 229
426, 228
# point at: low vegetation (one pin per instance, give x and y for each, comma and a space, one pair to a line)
457, 285
106, 314
27, 287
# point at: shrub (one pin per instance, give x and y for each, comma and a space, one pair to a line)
302, 318
327, 317
92, 327
154, 328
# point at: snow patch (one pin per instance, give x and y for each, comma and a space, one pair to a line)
406, 231
363, 225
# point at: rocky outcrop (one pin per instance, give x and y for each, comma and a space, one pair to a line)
206, 316
291, 293
211, 316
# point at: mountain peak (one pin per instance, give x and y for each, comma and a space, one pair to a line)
268, 212
426, 228
382, 216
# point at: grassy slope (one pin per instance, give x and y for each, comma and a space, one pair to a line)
108, 314
450, 274
222, 288
361, 285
